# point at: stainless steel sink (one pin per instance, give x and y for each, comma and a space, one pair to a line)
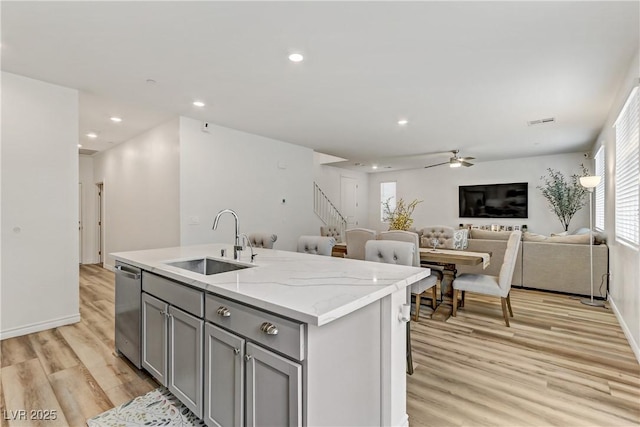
207, 266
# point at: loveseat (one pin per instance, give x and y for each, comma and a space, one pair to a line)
556, 263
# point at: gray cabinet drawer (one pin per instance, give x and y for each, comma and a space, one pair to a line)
248, 322
190, 300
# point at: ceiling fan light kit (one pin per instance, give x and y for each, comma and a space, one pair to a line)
455, 161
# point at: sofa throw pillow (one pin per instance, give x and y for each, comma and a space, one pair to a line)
564, 233
461, 239
490, 235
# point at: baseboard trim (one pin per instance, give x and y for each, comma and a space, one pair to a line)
39, 326
627, 333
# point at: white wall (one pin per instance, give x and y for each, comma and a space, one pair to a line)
438, 188
250, 174
624, 283
88, 207
39, 278
141, 191
328, 178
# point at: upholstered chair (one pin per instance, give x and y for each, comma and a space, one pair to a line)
262, 240
319, 245
394, 252
420, 288
356, 239
498, 286
331, 231
443, 233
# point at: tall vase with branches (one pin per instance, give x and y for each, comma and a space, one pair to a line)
565, 196
399, 218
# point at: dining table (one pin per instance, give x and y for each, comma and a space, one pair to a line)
444, 259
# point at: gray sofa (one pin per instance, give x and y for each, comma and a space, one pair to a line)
558, 263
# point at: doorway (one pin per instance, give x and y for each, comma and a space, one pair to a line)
349, 200
100, 221
80, 223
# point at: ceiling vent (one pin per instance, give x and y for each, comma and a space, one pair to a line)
87, 152
541, 121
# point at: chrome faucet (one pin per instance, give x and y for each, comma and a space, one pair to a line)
236, 247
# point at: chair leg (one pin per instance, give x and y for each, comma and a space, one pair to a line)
409, 355
509, 304
434, 296
462, 298
504, 311
455, 302
417, 316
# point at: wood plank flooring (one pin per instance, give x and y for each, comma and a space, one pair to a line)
560, 364
71, 370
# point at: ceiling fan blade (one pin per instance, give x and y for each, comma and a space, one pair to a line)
466, 158
437, 164
467, 164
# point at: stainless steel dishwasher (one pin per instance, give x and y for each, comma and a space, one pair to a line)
128, 297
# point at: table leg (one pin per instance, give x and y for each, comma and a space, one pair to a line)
444, 310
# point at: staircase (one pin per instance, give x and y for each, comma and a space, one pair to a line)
326, 211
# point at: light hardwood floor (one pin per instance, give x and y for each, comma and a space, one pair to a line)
561, 363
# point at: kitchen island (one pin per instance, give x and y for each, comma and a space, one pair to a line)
291, 339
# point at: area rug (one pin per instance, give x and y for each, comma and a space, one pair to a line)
157, 408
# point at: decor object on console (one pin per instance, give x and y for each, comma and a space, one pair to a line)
400, 217
590, 182
565, 197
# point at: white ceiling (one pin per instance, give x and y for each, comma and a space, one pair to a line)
466, 75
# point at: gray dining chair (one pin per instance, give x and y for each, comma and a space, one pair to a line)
498, 286
420, 288
331, 231
356, 239
393, 252
318, 245
262, 240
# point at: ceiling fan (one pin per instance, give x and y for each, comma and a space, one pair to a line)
455, 161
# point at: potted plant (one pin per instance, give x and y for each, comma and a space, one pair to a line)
400, 217
565, 196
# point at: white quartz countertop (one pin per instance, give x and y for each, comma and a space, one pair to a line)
312, 289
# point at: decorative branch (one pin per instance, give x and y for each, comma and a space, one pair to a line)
565, 197
400, 217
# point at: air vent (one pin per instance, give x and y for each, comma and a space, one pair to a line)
87, 152
541, 121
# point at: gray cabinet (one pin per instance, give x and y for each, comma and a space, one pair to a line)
184, 377
154, 337
274, 389
224, 378
172, 338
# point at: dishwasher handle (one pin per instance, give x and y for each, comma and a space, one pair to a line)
120, 269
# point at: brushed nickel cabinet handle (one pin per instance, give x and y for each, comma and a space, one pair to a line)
269, 328
223, 311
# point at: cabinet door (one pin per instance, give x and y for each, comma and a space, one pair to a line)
185, 359
154, 337
274, 389
224, 378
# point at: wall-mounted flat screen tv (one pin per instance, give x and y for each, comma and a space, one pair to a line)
494, 200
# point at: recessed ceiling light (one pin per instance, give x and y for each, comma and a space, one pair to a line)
198, 103
374, 167
296, 57
79, 145
92, 135
116, 119
151, 81
403, 122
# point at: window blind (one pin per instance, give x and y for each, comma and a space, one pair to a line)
627, 128
599, 190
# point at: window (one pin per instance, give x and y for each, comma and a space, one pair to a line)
387, 198
599, 190
627, 171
